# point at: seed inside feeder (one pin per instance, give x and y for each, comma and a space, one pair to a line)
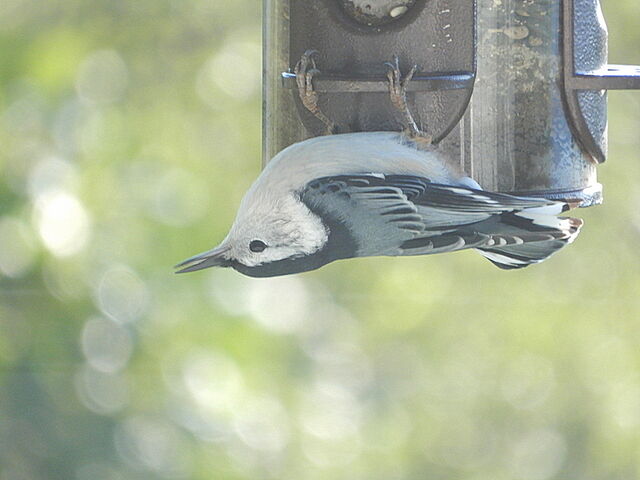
397, 11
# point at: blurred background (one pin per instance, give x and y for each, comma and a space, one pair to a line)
126, 143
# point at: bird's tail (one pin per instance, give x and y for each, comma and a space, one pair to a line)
528, 238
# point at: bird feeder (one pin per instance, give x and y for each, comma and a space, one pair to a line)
514, 90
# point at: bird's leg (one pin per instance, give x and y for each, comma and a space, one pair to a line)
305, 69
398, 95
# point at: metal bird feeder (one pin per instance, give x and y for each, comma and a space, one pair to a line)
514, 90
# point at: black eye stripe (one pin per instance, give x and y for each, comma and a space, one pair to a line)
257, 246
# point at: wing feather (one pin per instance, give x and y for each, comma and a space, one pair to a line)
409, 215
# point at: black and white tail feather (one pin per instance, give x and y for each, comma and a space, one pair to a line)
417, 217
522, 231
539, 237
527, 233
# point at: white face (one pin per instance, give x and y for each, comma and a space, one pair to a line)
266, 232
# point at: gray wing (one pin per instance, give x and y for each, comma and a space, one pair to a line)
377, 216
409, 215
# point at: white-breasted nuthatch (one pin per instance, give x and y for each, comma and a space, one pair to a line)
378, 193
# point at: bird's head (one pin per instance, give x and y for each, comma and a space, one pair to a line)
272, 235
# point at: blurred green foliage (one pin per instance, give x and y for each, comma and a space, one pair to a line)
129, 131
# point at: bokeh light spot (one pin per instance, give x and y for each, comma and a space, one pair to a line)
235, 70
212, 379
279, 304
62, 222
50, 174
263, 425
330, 411
102, 393
228, 291
153, 445
106, 345
122, 295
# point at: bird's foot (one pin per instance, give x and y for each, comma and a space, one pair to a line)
398, 95
304, 70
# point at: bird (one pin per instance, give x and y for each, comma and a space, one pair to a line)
378, 194
385, 193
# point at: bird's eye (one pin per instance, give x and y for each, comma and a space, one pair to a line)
257, 246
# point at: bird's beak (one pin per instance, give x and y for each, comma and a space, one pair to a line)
212, 258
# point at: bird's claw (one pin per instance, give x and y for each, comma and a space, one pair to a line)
305, 70
304, 77
398, 95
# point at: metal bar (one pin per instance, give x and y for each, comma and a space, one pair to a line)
335, 83
582, 132
613, 77
278, 105
581, 78
586, 197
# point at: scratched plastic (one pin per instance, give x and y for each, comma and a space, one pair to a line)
515, 136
